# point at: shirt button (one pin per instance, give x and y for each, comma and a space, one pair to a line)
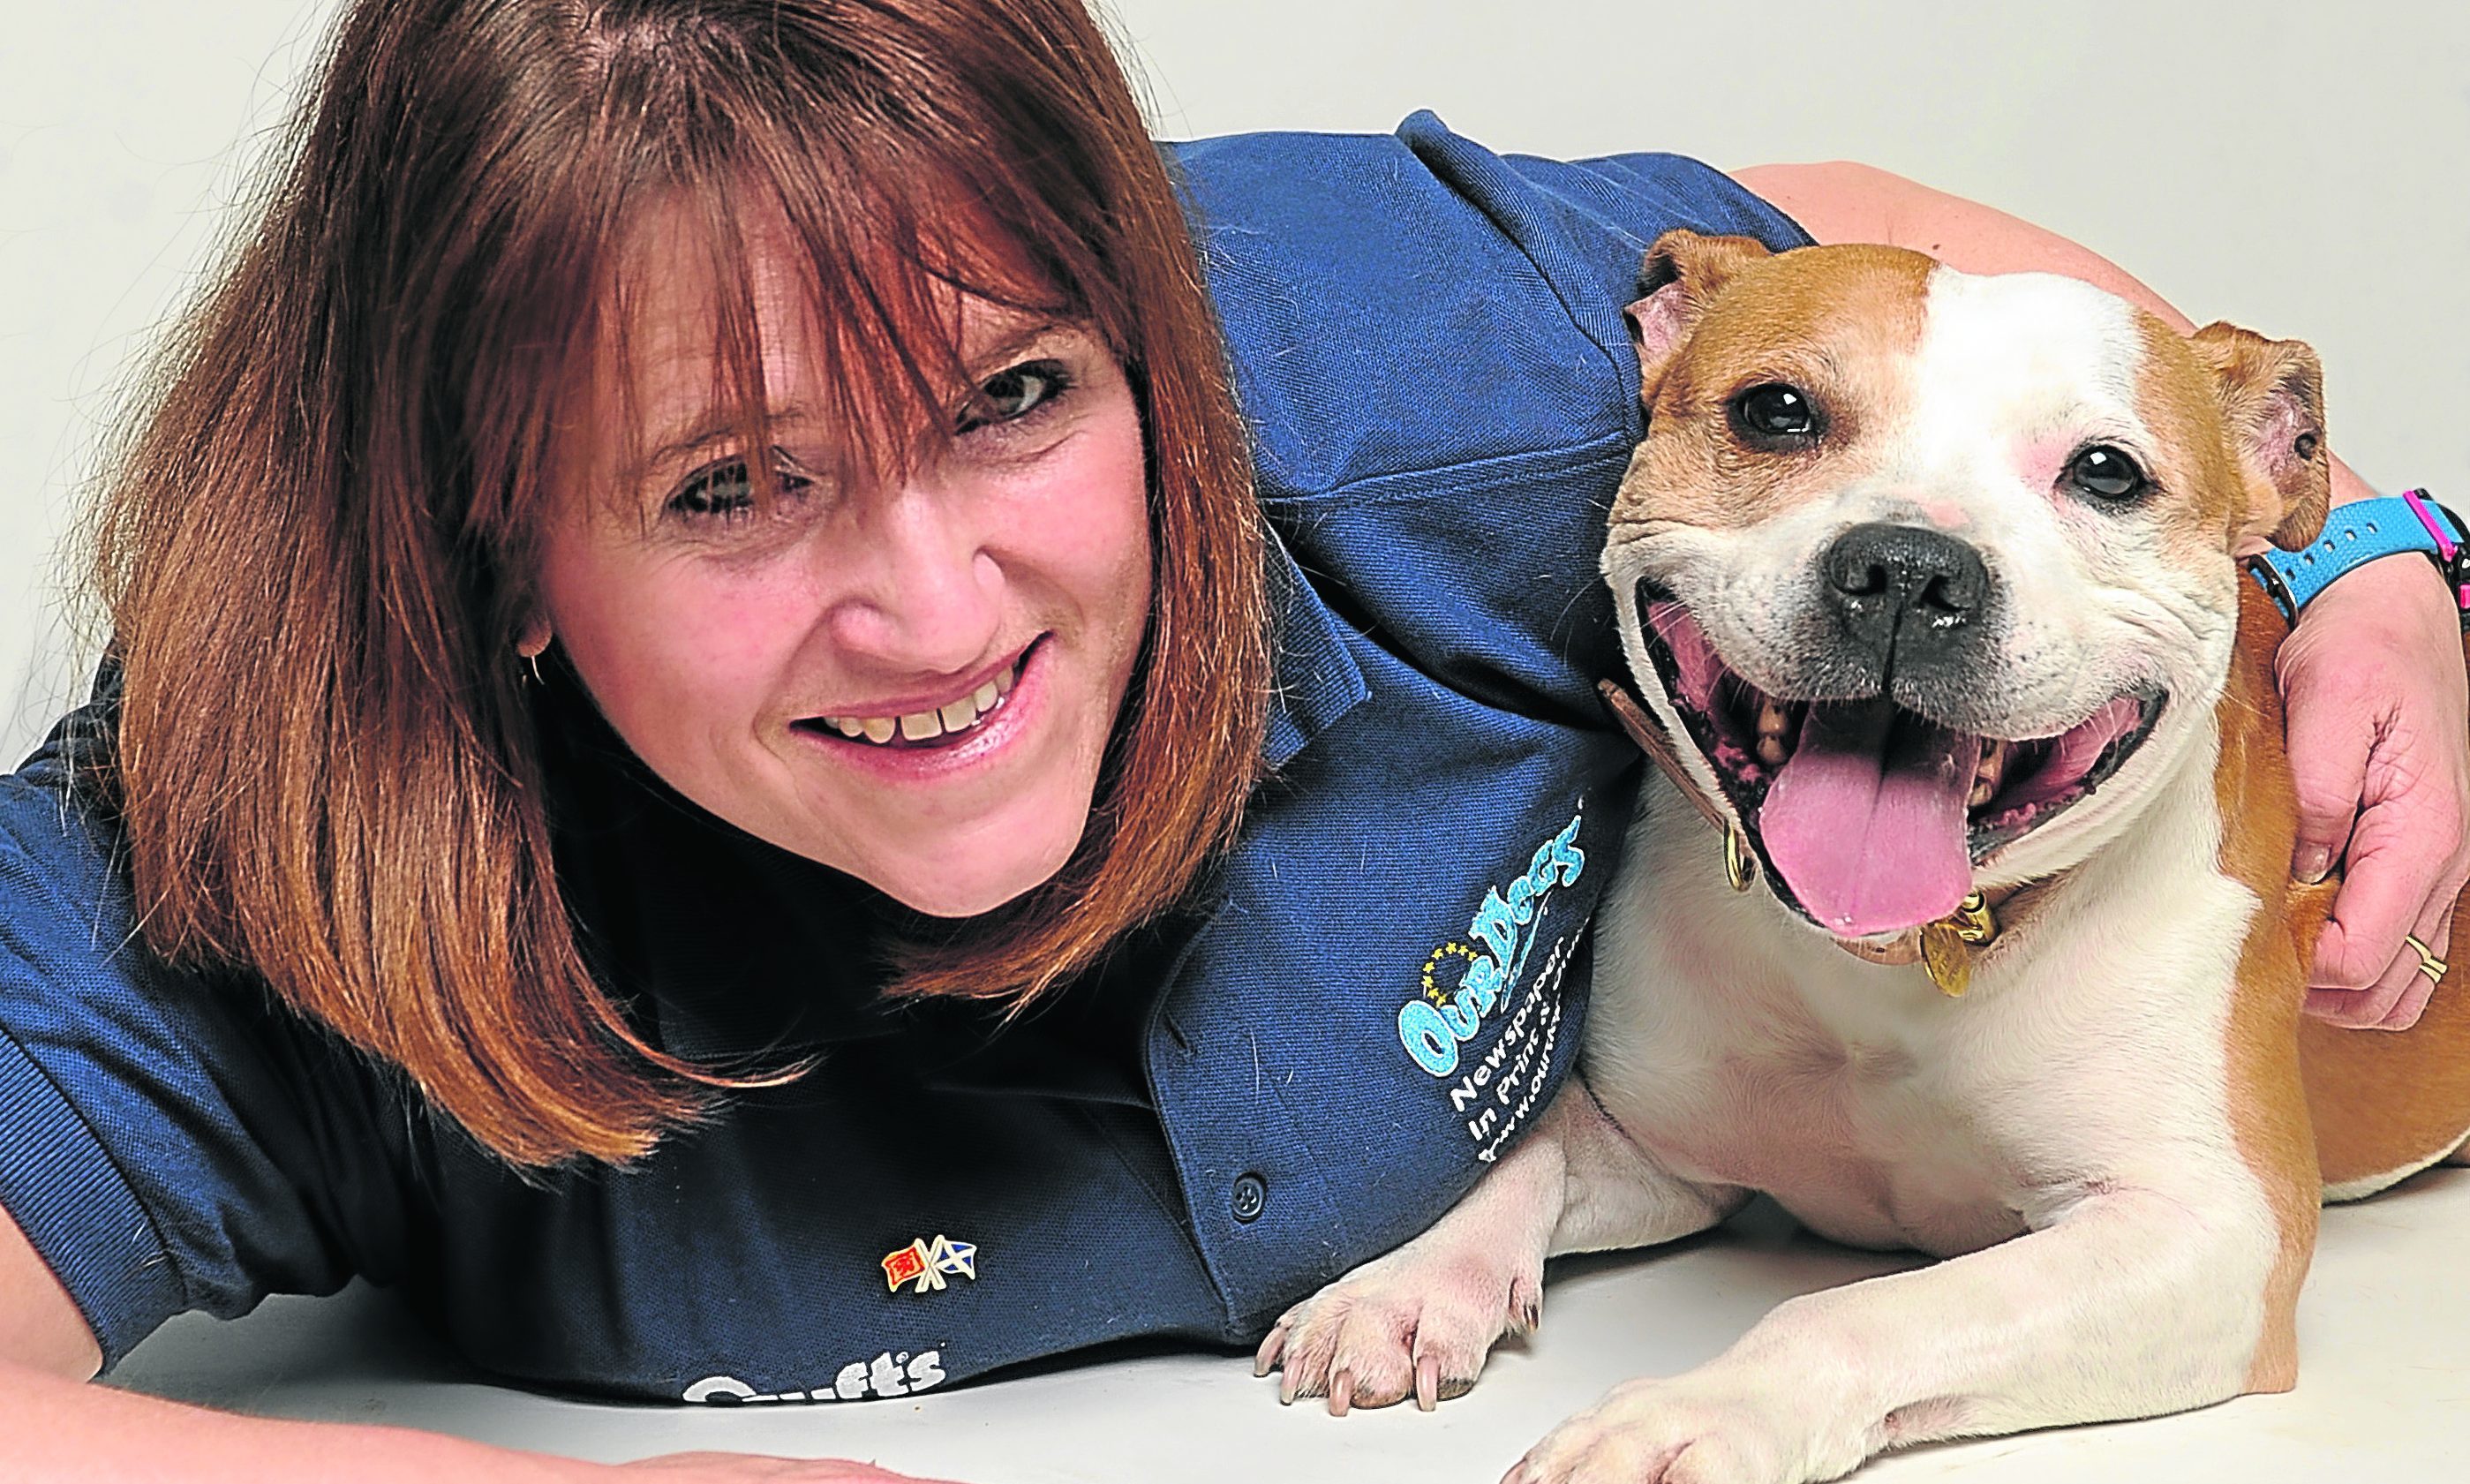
1252, 1195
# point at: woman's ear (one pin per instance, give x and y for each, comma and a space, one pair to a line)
1683, 274
532, 638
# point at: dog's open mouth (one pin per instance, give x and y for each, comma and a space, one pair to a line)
1871, 816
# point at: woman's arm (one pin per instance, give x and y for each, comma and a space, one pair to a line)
40, 1327
1841, 201
61, 1427
2373, 676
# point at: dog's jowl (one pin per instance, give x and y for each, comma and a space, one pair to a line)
1970, 928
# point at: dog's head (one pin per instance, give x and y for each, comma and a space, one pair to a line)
1939, 572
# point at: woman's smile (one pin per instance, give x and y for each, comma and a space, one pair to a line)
988, 727
933, 724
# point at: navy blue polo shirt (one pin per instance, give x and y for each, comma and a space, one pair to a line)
1362, 1006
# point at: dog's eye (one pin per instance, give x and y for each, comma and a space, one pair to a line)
2104, 472
1774, 410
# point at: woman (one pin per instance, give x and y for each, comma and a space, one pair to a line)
684, 520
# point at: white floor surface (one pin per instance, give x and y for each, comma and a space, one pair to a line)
2384, 1392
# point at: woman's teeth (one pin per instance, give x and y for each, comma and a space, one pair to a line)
961, 715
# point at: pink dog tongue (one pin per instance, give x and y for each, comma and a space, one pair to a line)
1866, 821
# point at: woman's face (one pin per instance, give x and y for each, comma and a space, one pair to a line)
912, 681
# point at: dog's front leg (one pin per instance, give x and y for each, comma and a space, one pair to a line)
2132, 1302
1420, 1319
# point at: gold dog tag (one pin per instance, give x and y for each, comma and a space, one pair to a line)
1948, 944
1947, 958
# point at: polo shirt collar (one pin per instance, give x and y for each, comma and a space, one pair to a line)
1317, 678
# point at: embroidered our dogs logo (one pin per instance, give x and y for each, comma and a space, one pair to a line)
1489, 962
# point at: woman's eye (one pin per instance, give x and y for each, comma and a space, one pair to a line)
1774, 412
1012, 394
2104, 472
726, 491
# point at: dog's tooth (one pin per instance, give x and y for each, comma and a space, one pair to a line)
1987, 777
1773, 727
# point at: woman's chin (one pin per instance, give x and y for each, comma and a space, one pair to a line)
933, 885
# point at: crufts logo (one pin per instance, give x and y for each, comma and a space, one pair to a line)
888, 1375
1436, 1023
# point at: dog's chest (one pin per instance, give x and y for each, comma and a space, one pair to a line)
1863, 1136
1879, 1112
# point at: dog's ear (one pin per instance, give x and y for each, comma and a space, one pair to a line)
1683, 274
2272, 403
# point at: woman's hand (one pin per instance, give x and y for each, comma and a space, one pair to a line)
757, 1469
2378, 724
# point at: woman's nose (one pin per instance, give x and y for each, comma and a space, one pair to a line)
921, 594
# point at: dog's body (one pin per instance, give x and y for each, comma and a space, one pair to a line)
2116, 1120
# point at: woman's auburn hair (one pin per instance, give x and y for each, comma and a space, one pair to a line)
316, 544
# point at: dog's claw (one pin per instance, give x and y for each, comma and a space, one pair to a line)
1414, 1323
1526, 1305
1273, 1348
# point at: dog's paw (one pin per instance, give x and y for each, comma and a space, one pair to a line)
1687, 1432
1414, 1323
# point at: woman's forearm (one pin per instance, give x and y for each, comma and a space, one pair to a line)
61, 1429
1841, 201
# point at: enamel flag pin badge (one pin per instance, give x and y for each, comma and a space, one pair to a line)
928, 1265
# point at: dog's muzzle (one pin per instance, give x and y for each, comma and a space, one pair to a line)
1871, 813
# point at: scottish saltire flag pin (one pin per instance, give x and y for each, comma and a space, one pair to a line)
928, 1265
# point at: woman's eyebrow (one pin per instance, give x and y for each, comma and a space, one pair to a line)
1014, 338
709, 427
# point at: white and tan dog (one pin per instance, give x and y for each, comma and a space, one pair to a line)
1931, 584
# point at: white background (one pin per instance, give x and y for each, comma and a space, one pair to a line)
2301, 166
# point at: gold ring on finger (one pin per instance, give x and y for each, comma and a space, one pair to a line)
2429, 963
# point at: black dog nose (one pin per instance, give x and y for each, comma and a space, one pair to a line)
1905, 588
